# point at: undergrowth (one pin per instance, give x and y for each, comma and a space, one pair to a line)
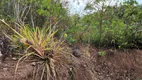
41, 43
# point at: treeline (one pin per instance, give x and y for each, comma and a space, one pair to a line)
116, 26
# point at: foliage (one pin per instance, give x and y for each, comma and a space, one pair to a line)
40, 43
111, 26
105, 25
34, 12
102, 53
70, 40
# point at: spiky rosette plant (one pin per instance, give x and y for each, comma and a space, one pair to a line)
38, 42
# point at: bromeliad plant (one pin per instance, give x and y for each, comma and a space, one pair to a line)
38, 42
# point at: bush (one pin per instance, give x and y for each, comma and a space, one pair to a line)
40, 43
114, 34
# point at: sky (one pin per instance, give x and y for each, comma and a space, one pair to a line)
139, 1
77, 6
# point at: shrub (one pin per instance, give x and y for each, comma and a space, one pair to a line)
38, 42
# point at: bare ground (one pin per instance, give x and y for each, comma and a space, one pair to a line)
115, 65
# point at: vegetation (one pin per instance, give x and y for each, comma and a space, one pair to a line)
41, 43
111, 26
118, 26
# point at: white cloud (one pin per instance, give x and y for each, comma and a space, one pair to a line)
77, 6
